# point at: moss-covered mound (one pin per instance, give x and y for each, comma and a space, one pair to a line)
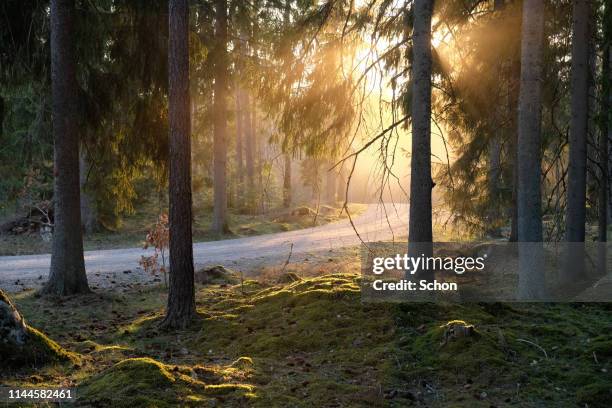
24, 346
507, 355
312, 342
132, 382
144, 382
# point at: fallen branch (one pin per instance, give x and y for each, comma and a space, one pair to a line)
534, 344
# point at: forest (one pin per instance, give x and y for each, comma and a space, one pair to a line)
198, 200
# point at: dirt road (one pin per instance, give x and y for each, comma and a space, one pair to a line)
18, 272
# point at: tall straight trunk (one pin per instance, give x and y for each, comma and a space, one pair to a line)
575, 217
579, 88
421, 183
341, 187
220, 223
494, 150
287, 173
604, 136
239, 135
89, 218
330, 185
531, 262
67, 275
181, 295
249, 156
287, 182
257, 157
513, 108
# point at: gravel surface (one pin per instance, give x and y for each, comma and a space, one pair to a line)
120, 268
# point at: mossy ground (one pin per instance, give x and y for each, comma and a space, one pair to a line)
313, 342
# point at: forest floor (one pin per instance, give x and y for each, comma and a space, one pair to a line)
302, 336
133, 228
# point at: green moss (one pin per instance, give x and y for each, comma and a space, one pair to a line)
601, 346
37, 348
131, 382
306, 340
595, 394
144, 382
314, 342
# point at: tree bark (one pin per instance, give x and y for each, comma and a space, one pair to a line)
287, 173
421, 183
239, 139
181, 295
604, 136
576, 193
330, 185
531, 262
287, 182
249, 156
88, 204
220, 223
341, 187
575, 217
67, 275
494, 149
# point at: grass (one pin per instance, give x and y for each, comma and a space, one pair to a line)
313, 342
133, 228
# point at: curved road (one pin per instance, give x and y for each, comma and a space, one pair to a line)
372, 225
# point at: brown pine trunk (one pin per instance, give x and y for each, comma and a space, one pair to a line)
330, 185
531, 265
220, 223
341, 187
287, 182
576, 194
575, 217
89, 217
181, 295
287, 174
239, 136
604, 135
421, 183
67, 275
248, 144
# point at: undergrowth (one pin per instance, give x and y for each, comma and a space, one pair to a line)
313, 342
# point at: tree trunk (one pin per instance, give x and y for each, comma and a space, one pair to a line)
575, 217
257, 159
494, 150
576, 194
239, 147
249, 163
330, 185
513, 108
88, 204
421, 183
287, 182
220, 223
494, 173
181, 295
341, 188
604, 135
531, 262
239, 135
287, 174
67, 275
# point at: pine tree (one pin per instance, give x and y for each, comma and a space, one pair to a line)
529, 200
181, 295
220, 222
67, 275
421, 183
